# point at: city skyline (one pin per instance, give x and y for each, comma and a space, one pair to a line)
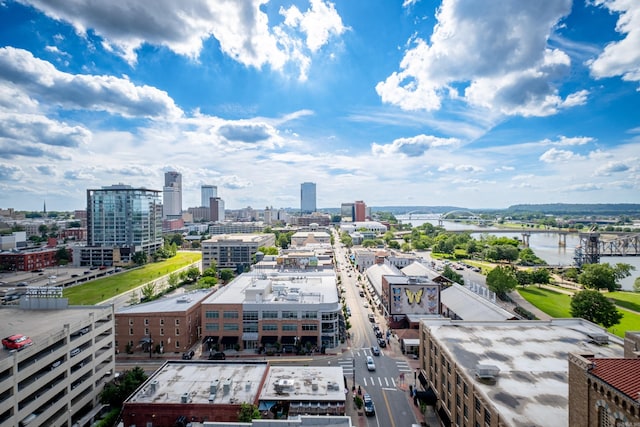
480, 104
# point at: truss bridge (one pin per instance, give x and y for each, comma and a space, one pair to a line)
592, 247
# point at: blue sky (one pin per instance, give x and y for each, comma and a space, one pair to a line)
472, 103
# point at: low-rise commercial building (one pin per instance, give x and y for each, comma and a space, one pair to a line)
506, 373
234, 250
58, 379
165, 325
260, 309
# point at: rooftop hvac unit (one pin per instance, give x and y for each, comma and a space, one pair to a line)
487, 372
333, 386
184, 398
247, 386
314, 386
226, 386
153, 387
213, 388
600, 339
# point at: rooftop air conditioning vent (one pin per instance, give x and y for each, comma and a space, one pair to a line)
487, 372
600, 339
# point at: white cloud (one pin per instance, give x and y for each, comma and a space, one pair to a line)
412, 147
41, 80
554, 155
569, 141
621, 58
612, 167
241, 28
497, 50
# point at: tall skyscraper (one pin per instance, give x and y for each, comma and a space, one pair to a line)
359, 211
208, 192
307, 197
120, 216
172, 195
216, 207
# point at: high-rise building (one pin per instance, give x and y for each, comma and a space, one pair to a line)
208, 192
120, 216
346, 212
216, 208
307, 197
172, 194
359, 211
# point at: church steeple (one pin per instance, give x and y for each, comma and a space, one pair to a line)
44, 208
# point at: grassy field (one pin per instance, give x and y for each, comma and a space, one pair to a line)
93, 292
630, 300
556, 304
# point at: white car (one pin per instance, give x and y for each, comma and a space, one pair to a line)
371, 366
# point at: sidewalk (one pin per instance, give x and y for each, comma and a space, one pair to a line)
515, 296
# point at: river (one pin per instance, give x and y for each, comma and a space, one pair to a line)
545, 245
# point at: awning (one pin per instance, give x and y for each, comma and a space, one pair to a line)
250, 336
309, 339
146, 340
269, 339
427, 397
423, 380
266, 405
229, 340
444, 417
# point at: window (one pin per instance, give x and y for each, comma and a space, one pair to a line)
130, 331
161, 332
465, 389
487, 417
289, 327
230, 315
161, 322
177, 322
458, 379
146, 322
269, 327
309, 314
146, 331
211, 314
250, 327
211, 327
177, 344
465, 412
269, 314
230, 327
250, 315
476, 402
309, 327
289, 314
457, 401
177, 331
130, 322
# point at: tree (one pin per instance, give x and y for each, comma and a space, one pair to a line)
211, 271
63, 256
139, 258
452, 275
116, 391
148, 291
248, 412
268, 250
207, 282
636, 285
226, 275
193, 273
43, 229
598, 276
593, 306
173, 280
501, 280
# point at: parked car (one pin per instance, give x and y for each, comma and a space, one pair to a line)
381, 342
188, 355
16, 342
76, 351
375, 350
217, 355
369, 408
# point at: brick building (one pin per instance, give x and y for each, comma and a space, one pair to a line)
28, 260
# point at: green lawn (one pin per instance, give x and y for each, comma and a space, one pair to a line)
556, 304
630, 300
93, 292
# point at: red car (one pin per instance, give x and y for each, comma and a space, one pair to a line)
16, 342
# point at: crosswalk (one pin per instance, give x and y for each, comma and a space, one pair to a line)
373, 380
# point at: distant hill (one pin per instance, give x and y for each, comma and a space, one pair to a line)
579, 209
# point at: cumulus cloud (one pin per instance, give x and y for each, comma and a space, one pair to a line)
497, 50
612, 167
412, 147
34, 128
620, 58
241, 27
41, 80
9, 172
554, 155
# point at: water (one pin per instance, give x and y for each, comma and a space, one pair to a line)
544, 245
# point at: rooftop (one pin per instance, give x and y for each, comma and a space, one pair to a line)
174, 303
304, 383
203, 382
471, 306
622, 374
238, 237
531, 386
279, 287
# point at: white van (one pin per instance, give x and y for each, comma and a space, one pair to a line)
371, 366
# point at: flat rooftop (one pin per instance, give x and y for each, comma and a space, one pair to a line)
531, 387
174, 303
205, 382
39, 325
304, 383
273, 287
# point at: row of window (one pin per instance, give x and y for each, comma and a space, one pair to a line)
268, 314
146, 331
268, 327
146, 322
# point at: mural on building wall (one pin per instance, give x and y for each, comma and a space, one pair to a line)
415, 299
